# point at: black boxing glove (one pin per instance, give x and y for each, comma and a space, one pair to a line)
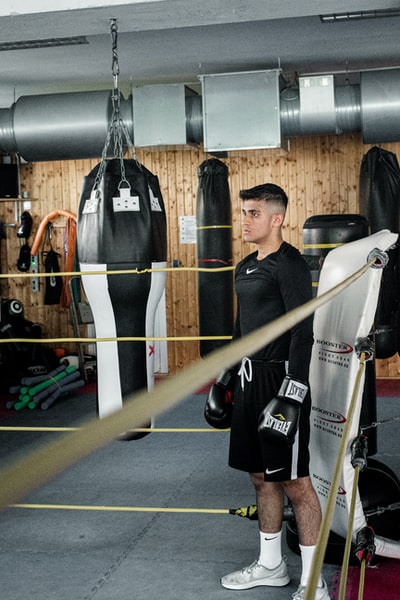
279, 420
218, 407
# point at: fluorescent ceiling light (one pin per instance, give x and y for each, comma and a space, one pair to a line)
361, 14
49, 43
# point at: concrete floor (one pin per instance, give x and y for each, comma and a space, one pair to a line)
140, 552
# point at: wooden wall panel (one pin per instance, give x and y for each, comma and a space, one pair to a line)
320, 175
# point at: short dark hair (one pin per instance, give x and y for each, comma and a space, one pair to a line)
266, 191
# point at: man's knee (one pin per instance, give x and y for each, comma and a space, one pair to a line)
257, 479
299, 490
265, 488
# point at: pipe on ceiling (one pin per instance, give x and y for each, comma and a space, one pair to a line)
345, 118
74, 125
65, 126
373, 107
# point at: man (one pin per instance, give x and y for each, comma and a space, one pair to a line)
270, 418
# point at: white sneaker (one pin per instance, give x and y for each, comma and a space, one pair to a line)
321, 593
255, 575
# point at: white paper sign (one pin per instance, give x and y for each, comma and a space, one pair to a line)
187, 230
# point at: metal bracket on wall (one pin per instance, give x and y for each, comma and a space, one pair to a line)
35, 269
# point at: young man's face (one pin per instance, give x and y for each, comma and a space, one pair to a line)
258, 221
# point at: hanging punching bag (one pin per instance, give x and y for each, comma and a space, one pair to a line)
379, 198
321, 234
387, 330
380, 189
214, 250
122, 226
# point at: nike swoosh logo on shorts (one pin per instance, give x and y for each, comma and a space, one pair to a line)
248, 271
268, 472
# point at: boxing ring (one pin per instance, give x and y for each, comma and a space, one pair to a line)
143, 406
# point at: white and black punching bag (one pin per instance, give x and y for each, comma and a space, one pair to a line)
379, 198
122, 226
321, 234
214, 250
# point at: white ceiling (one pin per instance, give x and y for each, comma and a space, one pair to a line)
174, 41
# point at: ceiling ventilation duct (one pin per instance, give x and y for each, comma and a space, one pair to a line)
317, 104
315, 109
241, 111
380, 106
59, 126
74, 125
160, 115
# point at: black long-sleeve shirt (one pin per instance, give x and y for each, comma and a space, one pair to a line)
267, 289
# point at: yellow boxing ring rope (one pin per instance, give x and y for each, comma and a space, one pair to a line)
53, 457
116, 272
137, 429
35, 469
89, 340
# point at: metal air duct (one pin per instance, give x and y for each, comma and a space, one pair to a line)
74, 125
343, 116
380, 106
59, 126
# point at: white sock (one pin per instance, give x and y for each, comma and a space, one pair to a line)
270, 549
307, 553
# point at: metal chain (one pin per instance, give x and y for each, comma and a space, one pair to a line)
379, 510
114, 50
116, 100
117, 129
376, 423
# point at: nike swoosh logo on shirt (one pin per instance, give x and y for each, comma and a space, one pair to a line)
270, 472
248, 271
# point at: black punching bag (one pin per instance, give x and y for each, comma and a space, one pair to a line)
387, 330
214, 250
322, 233
380, 201
379, 194
122, 226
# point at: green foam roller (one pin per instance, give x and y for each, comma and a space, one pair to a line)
41, 386
24, 400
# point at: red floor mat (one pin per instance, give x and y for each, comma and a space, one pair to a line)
4, 411
382, 582
388, 387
